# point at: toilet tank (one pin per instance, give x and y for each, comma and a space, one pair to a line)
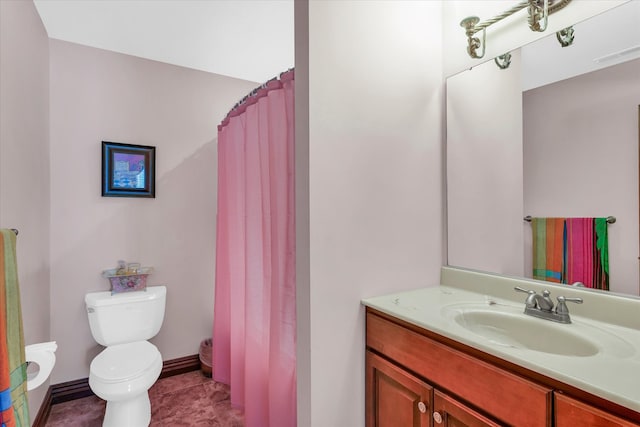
126, 317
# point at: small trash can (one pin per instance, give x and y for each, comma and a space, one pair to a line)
206, 354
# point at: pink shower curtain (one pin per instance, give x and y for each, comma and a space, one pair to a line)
254, 335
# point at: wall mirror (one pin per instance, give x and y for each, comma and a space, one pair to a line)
555, 134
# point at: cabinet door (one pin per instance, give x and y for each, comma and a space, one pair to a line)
395, 397
448, 412
570, 412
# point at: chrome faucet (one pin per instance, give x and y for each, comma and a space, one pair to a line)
542, 305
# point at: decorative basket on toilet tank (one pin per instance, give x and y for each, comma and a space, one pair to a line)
132, 279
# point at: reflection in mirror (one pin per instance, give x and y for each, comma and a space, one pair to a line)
553, 135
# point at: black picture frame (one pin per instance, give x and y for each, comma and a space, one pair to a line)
128, 170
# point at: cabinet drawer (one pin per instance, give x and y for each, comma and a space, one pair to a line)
570, 412
505, 396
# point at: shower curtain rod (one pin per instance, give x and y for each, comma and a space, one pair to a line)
610, 219
255, 91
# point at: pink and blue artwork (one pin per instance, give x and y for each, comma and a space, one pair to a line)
128, 170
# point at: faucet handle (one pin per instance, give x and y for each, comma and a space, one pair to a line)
531, 299
576, 300
561, 308
526, 291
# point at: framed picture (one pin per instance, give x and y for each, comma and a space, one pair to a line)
128, 170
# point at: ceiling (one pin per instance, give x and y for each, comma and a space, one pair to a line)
246, 39
254, 39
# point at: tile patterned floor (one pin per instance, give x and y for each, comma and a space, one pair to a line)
189, 400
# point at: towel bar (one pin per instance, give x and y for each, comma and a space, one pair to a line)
610, 219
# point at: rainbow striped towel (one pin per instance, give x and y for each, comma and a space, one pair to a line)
14, 406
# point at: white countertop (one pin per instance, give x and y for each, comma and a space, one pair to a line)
613, 373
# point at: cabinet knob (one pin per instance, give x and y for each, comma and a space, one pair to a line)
437, 417
422, 407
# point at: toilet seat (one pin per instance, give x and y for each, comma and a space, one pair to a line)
124, 362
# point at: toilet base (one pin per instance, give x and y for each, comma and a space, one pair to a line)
134, 412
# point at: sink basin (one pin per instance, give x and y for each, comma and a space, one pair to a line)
524, 332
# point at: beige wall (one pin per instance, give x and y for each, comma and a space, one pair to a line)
375, 184
98, 95
303, 255
24, 162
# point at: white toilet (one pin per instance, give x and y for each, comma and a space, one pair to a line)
123, 372
43, 355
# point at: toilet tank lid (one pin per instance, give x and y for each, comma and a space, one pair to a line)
101, 299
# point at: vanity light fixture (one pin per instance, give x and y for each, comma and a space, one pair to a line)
565, 37
503, 61
539, 11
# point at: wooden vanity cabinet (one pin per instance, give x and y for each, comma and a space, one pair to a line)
396, 398
409, 368
482, 392
570, 412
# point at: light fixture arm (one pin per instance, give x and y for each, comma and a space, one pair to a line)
565, 36
473, 43
503, 61
539, 11
538, 14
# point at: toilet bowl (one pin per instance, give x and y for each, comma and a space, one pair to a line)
122, 375
124, 371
